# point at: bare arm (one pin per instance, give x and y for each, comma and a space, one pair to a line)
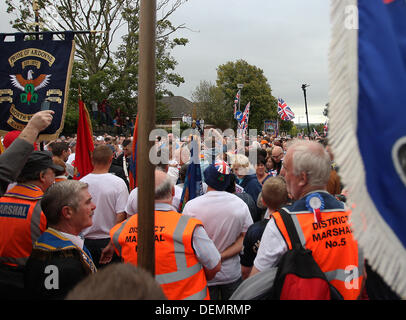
210, 274
245, 272
234, 249
121, 217
39, 121
107, 253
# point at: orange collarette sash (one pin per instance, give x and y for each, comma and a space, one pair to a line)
25, 191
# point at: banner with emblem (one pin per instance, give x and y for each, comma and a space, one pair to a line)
271, 127
367, 80
34, 75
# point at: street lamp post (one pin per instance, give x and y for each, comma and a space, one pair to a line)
239, 87
304, 86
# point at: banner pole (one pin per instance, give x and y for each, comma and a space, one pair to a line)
36, 12
38, 33
146, 110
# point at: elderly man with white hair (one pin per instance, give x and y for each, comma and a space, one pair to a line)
321, 222
59, 259
185, 257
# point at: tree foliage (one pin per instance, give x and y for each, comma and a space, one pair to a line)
285, 126
101, 69
216, 102
210, 100
256, 90
78, 15
126, 87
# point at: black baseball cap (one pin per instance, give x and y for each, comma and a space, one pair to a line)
40, 160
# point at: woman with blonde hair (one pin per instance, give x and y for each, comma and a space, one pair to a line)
246, 177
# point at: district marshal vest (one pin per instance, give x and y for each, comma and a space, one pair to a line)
331, 241
177, 269
21, 223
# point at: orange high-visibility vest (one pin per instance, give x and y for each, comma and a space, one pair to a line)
21, 223
177, 268
333, 248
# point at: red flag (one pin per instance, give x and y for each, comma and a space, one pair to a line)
132, 172
84, 143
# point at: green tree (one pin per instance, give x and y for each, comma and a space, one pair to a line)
294, 131
101, 71
125, 87
256, 90
285, 126
211, 106
79, 15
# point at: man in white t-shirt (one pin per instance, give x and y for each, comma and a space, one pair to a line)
71, 157
132, 203
110, 194
226, 219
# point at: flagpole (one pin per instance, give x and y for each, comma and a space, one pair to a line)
35, 7
36, 12
304, 86
146, 111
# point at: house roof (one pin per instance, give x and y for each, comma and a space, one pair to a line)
178, 105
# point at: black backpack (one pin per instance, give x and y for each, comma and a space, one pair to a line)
299, 277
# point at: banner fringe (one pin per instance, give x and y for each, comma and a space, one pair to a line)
385, 253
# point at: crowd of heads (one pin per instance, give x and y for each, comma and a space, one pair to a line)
262, 155
273, 171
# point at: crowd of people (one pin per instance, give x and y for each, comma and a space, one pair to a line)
106, 117
59, 236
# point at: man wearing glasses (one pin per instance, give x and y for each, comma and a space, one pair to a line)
277, 156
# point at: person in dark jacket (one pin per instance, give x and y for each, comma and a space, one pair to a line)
59, 259
14, 158
275, 194
244, 197
123, 161
119, 172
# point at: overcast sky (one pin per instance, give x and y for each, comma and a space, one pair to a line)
287, 39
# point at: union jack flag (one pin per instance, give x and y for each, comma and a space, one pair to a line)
245, 117
284, 111
222, 167
316, 133
325, 128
